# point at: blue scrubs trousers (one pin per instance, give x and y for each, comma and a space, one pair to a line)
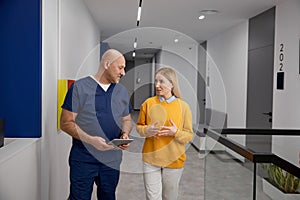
84, 174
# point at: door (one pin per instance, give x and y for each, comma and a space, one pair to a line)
260, 88
260, 79
259, 97
142, 82
201, 82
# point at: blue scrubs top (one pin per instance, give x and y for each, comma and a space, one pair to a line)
99, 113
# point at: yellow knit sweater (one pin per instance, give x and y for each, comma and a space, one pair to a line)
165, 151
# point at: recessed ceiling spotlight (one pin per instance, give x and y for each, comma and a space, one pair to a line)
201, 16
135, 45
209, 12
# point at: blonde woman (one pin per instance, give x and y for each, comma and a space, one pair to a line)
165, 121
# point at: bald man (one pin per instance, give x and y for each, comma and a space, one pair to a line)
95, 111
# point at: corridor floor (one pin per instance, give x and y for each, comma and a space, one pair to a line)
210, 176
214, 176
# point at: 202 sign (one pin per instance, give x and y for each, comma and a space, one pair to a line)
281, 57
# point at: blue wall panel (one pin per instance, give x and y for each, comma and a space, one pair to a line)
20, 67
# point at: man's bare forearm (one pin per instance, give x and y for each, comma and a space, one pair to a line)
126, 125
68, 125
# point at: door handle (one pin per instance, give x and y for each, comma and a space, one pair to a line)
269, 114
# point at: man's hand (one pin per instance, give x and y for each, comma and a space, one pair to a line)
100, 144
124, 146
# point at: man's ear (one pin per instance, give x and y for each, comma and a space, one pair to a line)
106, 64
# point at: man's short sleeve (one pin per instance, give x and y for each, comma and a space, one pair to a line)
71, 102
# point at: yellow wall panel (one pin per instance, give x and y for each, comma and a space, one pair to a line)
62, 88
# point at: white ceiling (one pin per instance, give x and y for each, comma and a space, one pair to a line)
167, 19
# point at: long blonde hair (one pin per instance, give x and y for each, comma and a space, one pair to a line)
170, 74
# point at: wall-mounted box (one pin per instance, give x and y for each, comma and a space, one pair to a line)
280, 80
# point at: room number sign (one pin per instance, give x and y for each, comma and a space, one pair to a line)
280, 74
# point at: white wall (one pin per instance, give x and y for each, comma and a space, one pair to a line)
229, 53
286, 103
79, 42
20, 169
227, 72
184, 59
80, 47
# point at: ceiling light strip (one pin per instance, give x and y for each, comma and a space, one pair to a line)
139, 13
137, 24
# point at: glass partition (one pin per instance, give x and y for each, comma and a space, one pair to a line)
234, 171
227, 178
